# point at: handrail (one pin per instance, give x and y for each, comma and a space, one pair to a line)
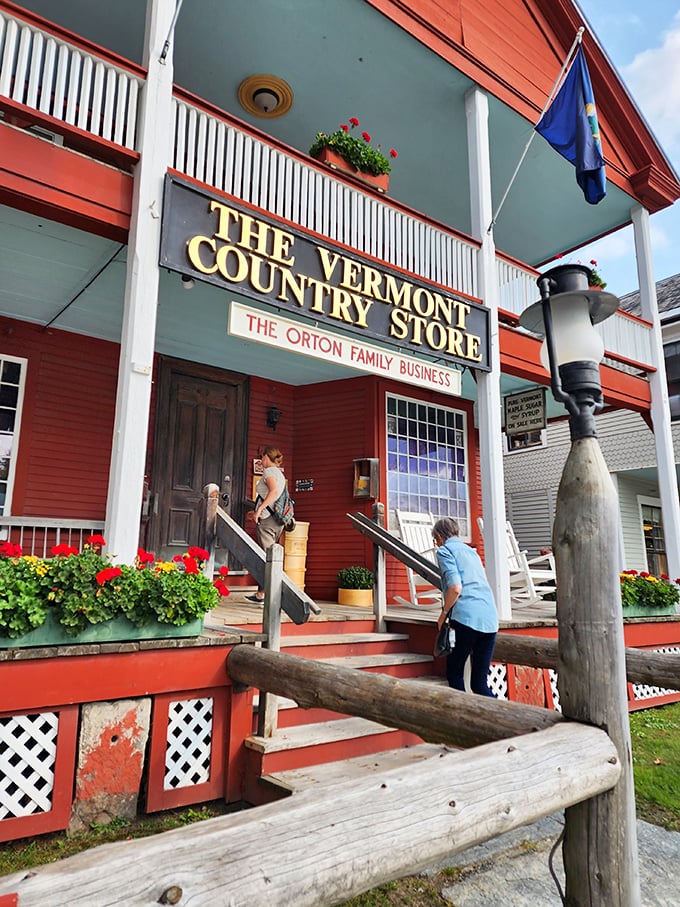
296, 603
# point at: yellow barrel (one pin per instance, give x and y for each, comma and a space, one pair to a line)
296, 576
295, 553
294, 562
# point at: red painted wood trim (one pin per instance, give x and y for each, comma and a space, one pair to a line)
239, 727
48, 682
520, 357
157, 797
80, 139
77, 190
64, 769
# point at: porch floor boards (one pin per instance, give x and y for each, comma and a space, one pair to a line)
236, 611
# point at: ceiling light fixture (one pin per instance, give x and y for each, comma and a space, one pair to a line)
187, 282
265, 96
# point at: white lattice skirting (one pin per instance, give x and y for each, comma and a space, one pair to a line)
189, 743
28, 750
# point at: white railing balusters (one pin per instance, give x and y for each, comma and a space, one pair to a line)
35, 73
21, 66
72, 88
49, 69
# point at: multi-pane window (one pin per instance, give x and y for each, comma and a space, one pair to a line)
655, 544
426, 461
12, 374
671, 352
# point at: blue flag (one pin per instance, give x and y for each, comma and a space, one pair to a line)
570, 126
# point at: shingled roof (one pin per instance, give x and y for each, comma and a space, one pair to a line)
667, 295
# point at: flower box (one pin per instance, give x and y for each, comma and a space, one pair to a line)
336, 161
118, 629
657, 611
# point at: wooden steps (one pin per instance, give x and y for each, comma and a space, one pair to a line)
307, 740
326, 774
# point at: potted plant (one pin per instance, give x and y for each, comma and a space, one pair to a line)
343, 151
355, 586
595, 282
80, 596
644, 595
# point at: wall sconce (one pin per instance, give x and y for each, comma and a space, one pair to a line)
187, 282
273, 416
572, 349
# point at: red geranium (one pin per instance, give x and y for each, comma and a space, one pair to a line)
63, 550
221, 587
354, 121
97, 541
9, 549
199, 553
344, 127
365, 136
191, 565
107, 574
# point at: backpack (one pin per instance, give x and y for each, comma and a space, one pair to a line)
283, 510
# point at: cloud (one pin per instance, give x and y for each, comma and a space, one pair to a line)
654, 80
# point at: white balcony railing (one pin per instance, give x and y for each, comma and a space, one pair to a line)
79, 89
66, 83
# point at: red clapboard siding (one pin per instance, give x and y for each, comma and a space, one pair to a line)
67, 421
334, 426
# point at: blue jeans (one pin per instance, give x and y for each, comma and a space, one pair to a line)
480, 646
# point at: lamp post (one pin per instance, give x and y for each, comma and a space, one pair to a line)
600, 837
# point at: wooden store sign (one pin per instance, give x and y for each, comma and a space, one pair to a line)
224, 244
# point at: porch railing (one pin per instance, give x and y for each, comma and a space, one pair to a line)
38, 535
64, 82
67, 83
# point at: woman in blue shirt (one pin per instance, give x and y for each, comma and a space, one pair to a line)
469, 607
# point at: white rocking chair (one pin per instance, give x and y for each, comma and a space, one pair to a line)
415, 530
531, 578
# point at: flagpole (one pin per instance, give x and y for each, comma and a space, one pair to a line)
166, 46
553, 92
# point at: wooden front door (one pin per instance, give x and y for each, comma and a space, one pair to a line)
200, 438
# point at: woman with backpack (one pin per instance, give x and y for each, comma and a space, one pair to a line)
269, 488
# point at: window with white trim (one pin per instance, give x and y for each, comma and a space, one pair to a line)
12, 379
653, 535
427, 461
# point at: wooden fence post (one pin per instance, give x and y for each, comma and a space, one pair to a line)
267, 713
600, 840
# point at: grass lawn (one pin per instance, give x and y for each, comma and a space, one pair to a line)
655, 737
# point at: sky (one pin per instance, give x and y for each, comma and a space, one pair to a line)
642, 40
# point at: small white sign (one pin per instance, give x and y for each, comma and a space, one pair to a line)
525, 412
284, 334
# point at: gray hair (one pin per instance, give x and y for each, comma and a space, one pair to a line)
446, 528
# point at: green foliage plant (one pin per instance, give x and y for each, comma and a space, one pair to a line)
642, 590
82, 588
356, 151
355, 578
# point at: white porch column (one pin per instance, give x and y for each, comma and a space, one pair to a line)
661, 415
128, 455
488, 383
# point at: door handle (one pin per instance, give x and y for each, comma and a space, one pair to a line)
225, 497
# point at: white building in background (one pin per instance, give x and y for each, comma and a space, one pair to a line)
532, 473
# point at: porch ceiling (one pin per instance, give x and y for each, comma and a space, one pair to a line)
46, 265
345, 59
